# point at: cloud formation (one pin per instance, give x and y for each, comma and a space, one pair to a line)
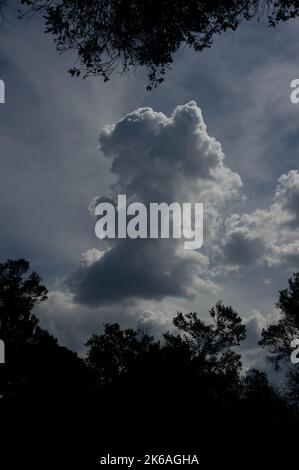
156, 158
268, 236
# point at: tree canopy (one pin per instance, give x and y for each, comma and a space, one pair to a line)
134, 392
109, 35
19, 294
278, 336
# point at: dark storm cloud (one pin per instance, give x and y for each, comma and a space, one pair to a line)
133, 268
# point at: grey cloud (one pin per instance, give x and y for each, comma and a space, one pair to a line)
268, 236
157, 158
287, 195
133, 268
73, 323
254, 326
253, 355
49, 163
50, 169
243, 249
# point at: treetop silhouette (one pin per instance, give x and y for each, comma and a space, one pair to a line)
107, 35
185, 391
277, 337
19, 294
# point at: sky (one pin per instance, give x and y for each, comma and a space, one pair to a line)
221, 130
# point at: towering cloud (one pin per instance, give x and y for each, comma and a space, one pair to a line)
156, 158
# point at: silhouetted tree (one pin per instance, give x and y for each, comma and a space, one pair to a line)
256, 387
135, 394
268, 413
214, 365
19, 294
277, 337
192, 375
34, 360
292, 384
113, 353
198, 361
211, 343
106, 34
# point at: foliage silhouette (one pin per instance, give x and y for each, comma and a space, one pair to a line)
34, 359
18, 296
211, 343
134, 394
277, 337
111, 354
123, 34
